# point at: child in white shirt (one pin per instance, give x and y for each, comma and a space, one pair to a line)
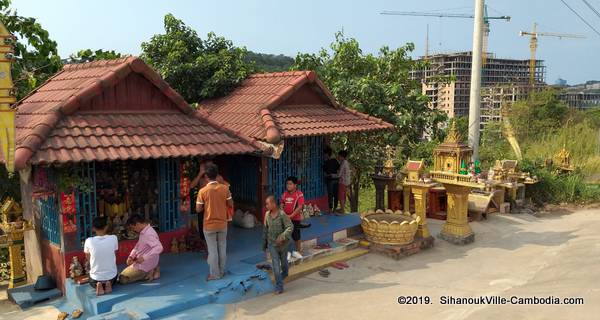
100, 252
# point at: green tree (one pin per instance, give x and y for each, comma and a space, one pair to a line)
36, 56
88, 55
493, 145
35, 60
541, 113
378, 85
265, 62
197, 68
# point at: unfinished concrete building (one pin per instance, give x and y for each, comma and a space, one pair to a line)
453, 96
498, 99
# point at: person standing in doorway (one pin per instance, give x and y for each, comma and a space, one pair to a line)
292, 202
345, 178
214, 199
201, 180
276, 235
332, 180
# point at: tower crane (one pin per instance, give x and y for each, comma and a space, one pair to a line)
486, 22
534, 34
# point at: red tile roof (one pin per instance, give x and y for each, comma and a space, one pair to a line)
414, 165
258, 109
114, 110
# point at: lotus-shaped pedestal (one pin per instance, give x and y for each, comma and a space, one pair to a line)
393, 228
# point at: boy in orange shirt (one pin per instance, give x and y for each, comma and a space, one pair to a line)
214, 199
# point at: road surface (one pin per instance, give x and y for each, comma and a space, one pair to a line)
518, 255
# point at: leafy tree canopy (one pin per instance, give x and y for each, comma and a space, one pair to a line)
197, 68
379, 85
541, 113
88, 55
36, 55
265, 62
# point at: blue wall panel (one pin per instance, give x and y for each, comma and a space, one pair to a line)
168, 194
50, 219
301, 157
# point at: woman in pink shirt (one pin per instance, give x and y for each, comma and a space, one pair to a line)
142, 262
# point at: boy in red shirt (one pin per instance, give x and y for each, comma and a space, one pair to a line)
291, 203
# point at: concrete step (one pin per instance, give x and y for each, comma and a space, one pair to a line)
337, 246
313, 265
193, 293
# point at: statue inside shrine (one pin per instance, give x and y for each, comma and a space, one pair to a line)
75, 269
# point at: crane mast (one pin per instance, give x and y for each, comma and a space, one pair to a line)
533, 44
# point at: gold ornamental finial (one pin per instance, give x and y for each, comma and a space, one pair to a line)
453, 134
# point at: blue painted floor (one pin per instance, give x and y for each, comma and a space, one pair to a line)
182, 291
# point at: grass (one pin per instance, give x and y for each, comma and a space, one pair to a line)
582, 141
366, 199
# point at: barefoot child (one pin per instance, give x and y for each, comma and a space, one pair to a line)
142, 262
100, 252
276, 233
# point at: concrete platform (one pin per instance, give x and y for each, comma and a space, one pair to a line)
182, 291
27, 296
403, 251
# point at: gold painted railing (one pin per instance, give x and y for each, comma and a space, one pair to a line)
453, 178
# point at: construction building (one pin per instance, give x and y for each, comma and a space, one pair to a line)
446, 79
582, 96
499, 98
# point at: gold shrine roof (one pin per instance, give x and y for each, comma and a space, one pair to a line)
453, 141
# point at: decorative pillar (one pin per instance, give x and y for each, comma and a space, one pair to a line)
406, 204
420, 192
380, 185
17, 274
457, 229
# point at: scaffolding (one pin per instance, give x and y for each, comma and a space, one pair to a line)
457, 66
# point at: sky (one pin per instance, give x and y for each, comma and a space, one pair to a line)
289, 27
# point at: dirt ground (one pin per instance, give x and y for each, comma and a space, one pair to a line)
10, 311
551, 254
554, 254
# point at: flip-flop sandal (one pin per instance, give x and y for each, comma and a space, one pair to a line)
211, 278
324, 273
342, 264
263, 266
337, 266
62, 316
76, 314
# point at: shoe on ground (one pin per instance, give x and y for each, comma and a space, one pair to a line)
296, 255
76, 314
289, 256
324, 273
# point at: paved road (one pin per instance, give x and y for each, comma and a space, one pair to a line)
513, 255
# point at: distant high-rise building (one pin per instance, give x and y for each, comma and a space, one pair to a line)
560, 82
452, 95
